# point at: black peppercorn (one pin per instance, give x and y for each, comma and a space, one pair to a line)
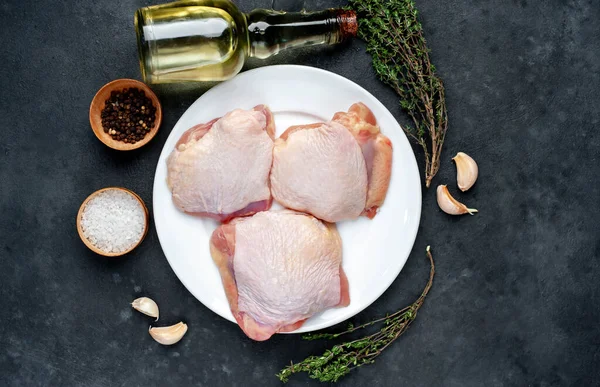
128, 115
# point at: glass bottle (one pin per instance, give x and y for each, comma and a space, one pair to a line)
209, 40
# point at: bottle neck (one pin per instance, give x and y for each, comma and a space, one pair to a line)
272, 31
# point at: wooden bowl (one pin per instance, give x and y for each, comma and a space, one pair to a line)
89, 244
99, 102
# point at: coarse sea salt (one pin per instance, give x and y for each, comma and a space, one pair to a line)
113, 221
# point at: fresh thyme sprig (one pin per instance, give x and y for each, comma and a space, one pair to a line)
394, 38
343, 358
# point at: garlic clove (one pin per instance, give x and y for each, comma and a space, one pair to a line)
466, 171
168, 335
450, 205
146, 306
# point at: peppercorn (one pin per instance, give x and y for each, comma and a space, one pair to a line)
128, 115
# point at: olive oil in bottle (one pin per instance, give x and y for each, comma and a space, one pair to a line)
208, 40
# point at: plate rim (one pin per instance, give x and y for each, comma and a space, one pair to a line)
413, 162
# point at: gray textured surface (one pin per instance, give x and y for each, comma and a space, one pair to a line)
516, 299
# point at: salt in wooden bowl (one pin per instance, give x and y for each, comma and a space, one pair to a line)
89, 244
99, 102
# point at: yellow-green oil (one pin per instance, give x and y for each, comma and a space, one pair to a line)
209, 40
201, 40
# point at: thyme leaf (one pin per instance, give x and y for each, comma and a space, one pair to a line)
395, 40
342, 358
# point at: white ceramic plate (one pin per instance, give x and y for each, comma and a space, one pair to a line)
374, 250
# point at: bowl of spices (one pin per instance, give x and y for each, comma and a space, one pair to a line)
112, 221
125, 114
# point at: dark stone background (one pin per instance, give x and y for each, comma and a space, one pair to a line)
515, 301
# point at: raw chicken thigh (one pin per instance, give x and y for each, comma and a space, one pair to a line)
278, 269
220, 169
336, 170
